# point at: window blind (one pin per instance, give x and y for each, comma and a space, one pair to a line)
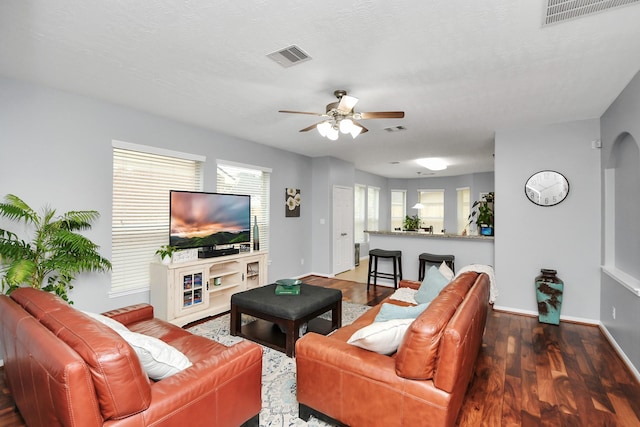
140, 210
236, 178
373, 208
359, 212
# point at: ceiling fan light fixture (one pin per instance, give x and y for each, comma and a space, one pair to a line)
333, 133
323, 128
355, 130
346, 125
432, 163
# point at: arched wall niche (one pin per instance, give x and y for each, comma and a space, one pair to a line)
622, 206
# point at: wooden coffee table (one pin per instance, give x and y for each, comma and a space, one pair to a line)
275, 313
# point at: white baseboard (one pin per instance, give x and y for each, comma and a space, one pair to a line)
533, 313
618, 350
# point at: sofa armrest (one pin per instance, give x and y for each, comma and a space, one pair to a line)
212, 382
413, 284
131, 314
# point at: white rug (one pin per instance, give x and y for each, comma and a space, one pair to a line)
279, 404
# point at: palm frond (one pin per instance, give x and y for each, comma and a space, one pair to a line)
16, 209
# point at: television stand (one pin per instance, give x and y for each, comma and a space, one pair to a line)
211, 253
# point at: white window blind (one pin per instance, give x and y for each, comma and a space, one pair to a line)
140, 210
464, 206
433, 212
235, 178
359, 212
398, 208
373, 208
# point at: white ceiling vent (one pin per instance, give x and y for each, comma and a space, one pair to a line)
289, 56
564, 10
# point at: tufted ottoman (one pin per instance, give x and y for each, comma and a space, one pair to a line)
288, 313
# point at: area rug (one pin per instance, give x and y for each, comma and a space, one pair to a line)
279, 404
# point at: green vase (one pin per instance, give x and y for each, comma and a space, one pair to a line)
549, 289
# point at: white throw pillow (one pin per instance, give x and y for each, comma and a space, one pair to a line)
159, 359
381, 337
446, 271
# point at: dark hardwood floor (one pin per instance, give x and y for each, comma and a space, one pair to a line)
527, 373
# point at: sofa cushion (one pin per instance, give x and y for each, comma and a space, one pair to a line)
381, 337
417, 355
393, 311
446, 271
159, 359
431, 286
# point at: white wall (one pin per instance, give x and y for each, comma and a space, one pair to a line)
565, 237
619, 120
56, 149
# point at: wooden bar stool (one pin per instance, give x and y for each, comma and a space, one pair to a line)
431, 259
395, 256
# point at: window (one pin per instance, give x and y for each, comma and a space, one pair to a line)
236, 178
398, 208
142, 178
359, 212
432, 214
463, 206
373, 208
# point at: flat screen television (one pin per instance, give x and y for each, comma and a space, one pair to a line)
199, 219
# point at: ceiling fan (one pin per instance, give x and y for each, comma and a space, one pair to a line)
340, 117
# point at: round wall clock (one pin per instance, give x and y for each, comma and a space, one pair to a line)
546, 188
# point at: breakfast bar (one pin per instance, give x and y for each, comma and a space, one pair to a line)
473, 249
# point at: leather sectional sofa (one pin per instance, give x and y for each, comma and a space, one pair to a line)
66, 369
423, 383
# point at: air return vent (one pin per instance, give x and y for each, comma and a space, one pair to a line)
564, 10
289, 56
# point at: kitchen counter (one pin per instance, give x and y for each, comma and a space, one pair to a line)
466, 249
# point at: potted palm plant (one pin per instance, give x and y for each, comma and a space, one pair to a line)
56, 252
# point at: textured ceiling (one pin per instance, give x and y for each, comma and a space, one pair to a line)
459, 69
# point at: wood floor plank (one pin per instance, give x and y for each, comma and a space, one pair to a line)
527, 374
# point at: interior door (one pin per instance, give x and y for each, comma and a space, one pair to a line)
342, 229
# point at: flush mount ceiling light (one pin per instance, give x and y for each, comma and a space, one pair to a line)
432, 163
340, 117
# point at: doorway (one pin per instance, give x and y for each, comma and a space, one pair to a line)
342, 229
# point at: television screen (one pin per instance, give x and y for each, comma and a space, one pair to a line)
200, 219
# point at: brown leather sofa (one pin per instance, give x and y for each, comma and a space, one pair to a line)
423, 383
66, 369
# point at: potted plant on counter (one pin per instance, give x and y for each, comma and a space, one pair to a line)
482, 214
56, 252
411, 223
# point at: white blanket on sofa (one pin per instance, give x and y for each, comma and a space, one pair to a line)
408, 294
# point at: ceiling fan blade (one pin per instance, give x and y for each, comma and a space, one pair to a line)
308, 128
347, 103
300, 112
383, 115
364, 129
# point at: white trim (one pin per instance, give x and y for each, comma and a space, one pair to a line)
158, 151
626, 280
243, 165
618, 350
131, 291
535, 314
